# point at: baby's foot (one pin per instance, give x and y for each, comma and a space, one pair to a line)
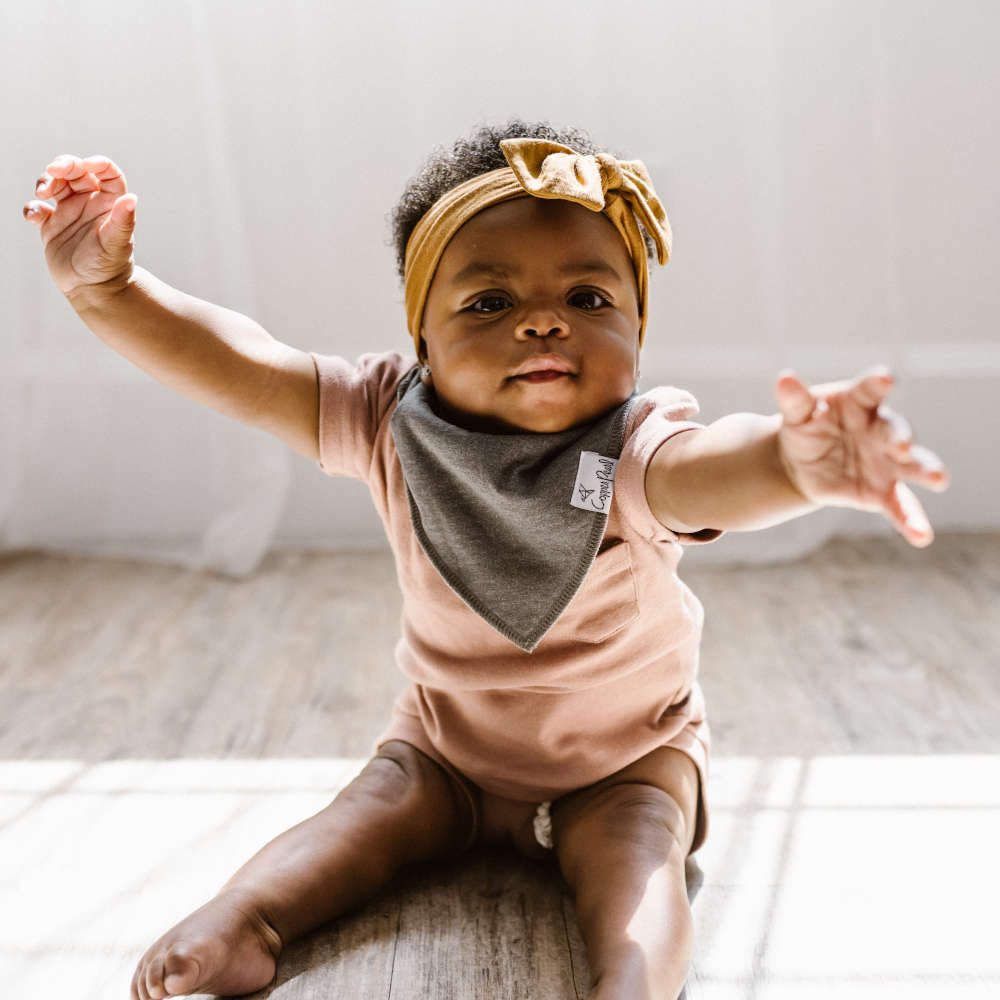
225, 947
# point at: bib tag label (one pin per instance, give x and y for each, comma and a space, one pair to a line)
595, 482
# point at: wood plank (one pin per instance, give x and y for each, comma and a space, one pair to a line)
492, 926
350, 960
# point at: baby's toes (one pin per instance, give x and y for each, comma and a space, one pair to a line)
138, 989
154, 978
168, 973
179, 974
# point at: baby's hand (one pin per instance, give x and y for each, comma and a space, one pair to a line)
840, 445
87, 234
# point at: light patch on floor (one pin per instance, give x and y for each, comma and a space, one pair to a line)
867, 876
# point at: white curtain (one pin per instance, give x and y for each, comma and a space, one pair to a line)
829, 169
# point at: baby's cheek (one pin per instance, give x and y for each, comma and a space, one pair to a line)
616, 381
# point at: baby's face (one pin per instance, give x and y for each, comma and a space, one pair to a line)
546, 340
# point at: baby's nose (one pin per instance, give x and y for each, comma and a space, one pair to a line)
541, 323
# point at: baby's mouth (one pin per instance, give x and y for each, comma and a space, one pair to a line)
544, 368
547, 375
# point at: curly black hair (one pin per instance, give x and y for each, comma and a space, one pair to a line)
468, 157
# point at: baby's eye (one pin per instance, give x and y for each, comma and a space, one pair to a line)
597, 295
487, 298
503, 300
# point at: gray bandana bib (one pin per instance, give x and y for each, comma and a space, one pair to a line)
512, 522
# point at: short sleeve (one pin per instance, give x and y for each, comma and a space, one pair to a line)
656, 417
354, 400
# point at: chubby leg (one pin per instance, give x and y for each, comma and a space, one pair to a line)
621, 846
401, 809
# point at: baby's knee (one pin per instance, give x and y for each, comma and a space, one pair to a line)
642, 814
634, 817
428, 813
394, 774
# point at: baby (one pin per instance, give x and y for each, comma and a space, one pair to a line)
537, 506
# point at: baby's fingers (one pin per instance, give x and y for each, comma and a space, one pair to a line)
895, 432
914, 462
924, 467
67, 175
872, 386
107, 172
37, 212
863, 395
905, 512
795, 401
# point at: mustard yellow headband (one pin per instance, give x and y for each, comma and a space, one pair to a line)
621, 189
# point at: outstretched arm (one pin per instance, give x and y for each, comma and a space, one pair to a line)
210, 354
835, 444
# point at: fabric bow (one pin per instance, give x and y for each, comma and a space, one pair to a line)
596, 181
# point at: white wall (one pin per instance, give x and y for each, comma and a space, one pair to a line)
829, 170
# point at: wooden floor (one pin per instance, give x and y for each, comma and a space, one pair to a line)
159, 725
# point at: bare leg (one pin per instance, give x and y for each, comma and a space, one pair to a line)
621, 848
401, 809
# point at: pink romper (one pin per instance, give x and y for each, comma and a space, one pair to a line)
613, 679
